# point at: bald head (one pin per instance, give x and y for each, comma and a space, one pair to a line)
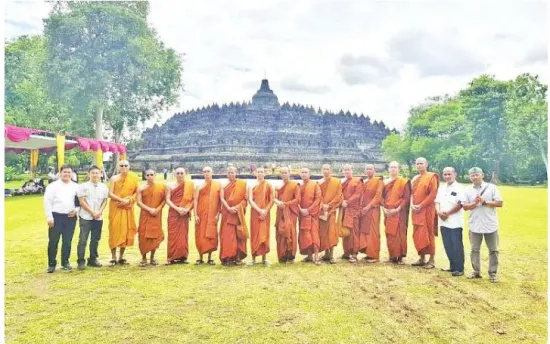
123, 166
260, 173
327, 171
285, 173
150, 176
421, 165
348, 171
369, 170
179, 172
393, 169
207, 173
305, 174
231, 173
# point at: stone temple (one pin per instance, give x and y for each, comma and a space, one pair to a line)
264, 133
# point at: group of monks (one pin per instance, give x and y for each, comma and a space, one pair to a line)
311, 216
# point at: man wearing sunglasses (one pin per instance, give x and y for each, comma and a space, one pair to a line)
122, 225
151, 199
180, 199
207, 214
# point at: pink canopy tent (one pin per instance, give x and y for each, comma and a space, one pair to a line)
18, 139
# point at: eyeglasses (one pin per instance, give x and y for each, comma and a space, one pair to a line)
149, 175
180, 173
122, 165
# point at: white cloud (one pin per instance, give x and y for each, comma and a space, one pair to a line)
376, 58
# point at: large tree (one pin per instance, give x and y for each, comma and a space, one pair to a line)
527, 115
109, 65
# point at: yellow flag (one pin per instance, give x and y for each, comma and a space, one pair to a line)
34, 161
99, 158
60, 151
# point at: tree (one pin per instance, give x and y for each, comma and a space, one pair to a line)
104, 59
527, 115
26, 98
484, 107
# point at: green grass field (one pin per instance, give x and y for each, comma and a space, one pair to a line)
300, 303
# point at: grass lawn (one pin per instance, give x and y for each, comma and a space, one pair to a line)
300, 303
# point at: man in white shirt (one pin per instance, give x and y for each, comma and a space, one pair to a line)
60, 209
93, 197
481, 199
448, 204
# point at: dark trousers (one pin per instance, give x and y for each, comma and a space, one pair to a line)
89, 228
63, 228
452, 241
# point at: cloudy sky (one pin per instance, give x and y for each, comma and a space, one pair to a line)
373, 57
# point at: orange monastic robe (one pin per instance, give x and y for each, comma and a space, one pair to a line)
331, 191
233, 229
122, 224
178, 225
150, 227
351, 192
310, 199
285, 223
208, 206
397, 193
369, 232
424, 191
262, 195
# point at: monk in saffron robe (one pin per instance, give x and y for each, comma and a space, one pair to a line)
396, 197
352, 189
233, 229
424, 216
261, 201
331, 191
180, 199
287, 201
122, 224
207, 214
310, 202
369, 233
151, 199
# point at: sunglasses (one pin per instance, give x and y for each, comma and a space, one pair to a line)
122, 165
149, 175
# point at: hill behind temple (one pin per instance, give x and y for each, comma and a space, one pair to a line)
261, 132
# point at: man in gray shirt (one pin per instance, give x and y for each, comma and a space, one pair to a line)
93, 197
482, 199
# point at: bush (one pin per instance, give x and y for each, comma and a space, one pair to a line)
10, 173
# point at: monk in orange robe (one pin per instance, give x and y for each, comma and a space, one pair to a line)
261, 201
352, 189
180, 199
310, 208
369, 233
207, 214
424, 216
287, 201
396, 197
331, 191
122, 224
233, 229
151, 199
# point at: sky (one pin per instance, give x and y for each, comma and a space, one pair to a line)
379, 58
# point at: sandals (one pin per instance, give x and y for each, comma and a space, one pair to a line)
169, 262
352, 260
429, 266
143, 264
419, 263
123, 262
199, 262
265, 262
325, 258
317, 262
154, 262
211, 262
332, 261
112, 263
307, 260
